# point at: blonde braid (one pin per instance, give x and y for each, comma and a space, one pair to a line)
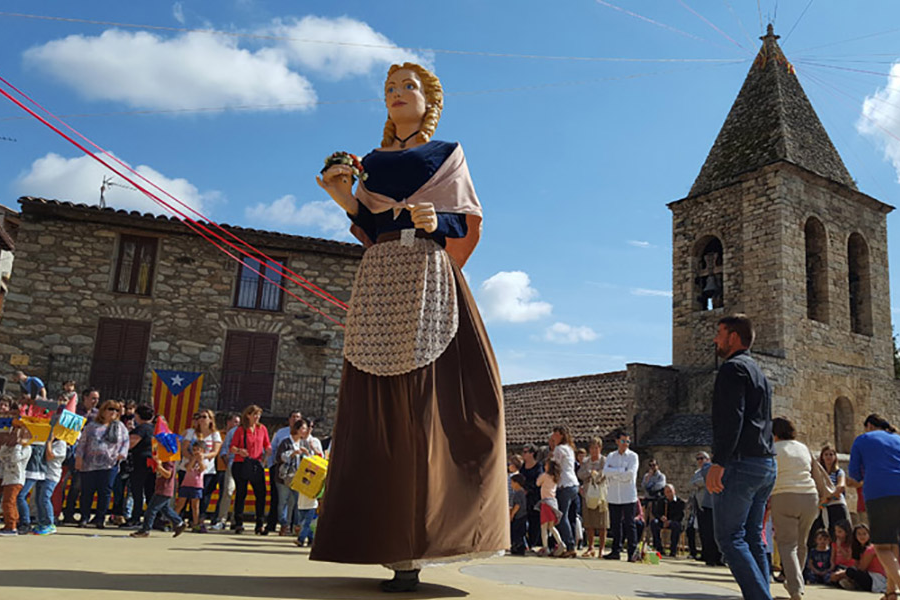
434, 97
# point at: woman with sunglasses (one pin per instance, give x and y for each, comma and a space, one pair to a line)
205, 431
102, 446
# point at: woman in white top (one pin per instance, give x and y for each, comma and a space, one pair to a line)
564, 455
794, 503
205, 431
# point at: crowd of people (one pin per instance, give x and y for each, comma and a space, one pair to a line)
761, 503
111, 477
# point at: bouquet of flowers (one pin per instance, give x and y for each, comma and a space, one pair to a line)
351, 160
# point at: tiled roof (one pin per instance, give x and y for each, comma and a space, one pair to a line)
771, 120
680, 430
590, 405
31, 204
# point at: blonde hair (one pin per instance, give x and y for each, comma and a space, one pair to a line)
434, 99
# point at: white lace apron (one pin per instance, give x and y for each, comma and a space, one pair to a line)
403, 313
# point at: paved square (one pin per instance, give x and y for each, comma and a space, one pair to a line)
79, 564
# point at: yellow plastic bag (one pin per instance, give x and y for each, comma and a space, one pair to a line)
310, 477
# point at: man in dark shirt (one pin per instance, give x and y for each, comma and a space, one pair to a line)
668, 513
531, 469
743, 470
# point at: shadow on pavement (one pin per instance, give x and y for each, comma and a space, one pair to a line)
315, 588
296, 552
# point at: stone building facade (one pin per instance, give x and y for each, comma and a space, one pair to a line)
773, 227
104, 296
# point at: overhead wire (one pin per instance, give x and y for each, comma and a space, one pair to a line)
862, 163
848, 40
797, 22
879, 73
759, 11
655, 22
740, 23
288, 105
285, 38
867, 117
844, 93
195, 226
711, 24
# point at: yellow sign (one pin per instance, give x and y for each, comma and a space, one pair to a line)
310, 477
38, 428
18, 360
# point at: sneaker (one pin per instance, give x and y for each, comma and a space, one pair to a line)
218, 526
847, 584
41, 531
139, 534
611, 556
8, 532
179, 529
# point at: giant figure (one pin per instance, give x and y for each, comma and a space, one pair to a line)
418, 471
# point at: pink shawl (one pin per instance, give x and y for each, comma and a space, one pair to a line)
450, 189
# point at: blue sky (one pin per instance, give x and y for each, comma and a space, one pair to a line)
574, 160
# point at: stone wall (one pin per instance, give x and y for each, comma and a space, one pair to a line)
653, 392
62, 285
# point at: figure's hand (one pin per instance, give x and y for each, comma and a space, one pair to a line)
337, 180
714, 479
79, 463
424, 216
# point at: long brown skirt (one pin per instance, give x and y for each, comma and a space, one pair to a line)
418, 462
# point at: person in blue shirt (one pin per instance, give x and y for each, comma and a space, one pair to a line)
32, 387
875, 460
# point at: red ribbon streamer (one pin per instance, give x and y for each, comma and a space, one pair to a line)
198, 228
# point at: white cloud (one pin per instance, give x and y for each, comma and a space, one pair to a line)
193, 70
337, 60
508, 296
285, 213
197, 70
562, 333
646, 292
640, 244
78, 180
880, 117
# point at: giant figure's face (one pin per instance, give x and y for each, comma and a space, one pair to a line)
404, 97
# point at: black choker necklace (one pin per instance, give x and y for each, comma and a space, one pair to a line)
406, 139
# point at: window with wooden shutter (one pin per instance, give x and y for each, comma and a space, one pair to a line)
248, 369
134, 268
120, 357
255, 291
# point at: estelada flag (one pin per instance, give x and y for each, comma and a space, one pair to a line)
176, 396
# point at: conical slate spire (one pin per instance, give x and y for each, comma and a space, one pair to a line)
771, 120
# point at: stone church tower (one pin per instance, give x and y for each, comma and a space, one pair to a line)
774, 227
